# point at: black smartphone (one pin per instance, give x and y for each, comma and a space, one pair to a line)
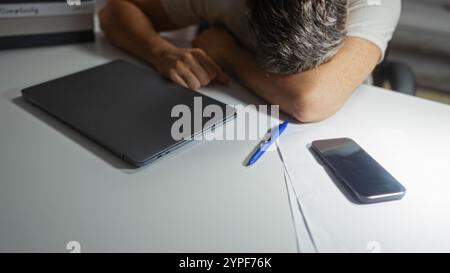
353, 166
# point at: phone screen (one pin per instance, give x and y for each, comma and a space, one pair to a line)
365, 177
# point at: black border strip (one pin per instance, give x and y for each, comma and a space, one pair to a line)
35, 40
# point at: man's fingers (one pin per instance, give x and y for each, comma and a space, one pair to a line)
206, 63
173, 75
202, 75
188, 76
196, 69
214, 71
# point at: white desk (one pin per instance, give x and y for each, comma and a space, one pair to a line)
410, 137
56, 186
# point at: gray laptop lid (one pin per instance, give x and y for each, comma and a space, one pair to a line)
124, 107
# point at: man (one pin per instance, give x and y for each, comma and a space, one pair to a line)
307, 56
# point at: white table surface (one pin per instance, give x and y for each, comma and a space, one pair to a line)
409, 137
56, 186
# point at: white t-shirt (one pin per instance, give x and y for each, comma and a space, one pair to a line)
373, 20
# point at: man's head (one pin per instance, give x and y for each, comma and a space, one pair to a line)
292, 36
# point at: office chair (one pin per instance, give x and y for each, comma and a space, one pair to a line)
399, 75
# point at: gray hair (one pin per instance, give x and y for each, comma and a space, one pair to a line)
292, 36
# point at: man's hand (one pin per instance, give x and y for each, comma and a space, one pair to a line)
217, 43
189, 67
134, 26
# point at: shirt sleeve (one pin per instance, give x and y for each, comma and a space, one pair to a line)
374, 20
185, 13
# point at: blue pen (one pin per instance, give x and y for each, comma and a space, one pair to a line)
268, 140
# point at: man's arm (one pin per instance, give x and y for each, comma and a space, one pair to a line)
308, 96
133, 25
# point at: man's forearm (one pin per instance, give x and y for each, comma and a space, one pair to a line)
134, 25
312, 95
275, 89
129, 28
